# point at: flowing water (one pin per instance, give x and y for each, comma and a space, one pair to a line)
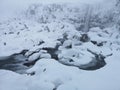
13, 63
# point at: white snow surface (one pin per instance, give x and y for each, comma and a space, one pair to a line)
51, 74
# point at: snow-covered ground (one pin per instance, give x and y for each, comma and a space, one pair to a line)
52, 40
50, 75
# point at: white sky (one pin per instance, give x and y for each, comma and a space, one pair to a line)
23, 3
50, 1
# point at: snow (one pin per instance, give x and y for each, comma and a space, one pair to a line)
36, 34
50, 73
34, 57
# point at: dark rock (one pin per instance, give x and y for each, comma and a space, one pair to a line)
71, 60
31, 74
44, 70
26, 27
98, 44
62, 27
5, 43
84, 38
94, 42
30, 63
55, 88
11, 32
40, 42
69, 46
18, 33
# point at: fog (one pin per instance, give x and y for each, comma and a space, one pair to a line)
9, 7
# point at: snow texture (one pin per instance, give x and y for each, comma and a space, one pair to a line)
49, 36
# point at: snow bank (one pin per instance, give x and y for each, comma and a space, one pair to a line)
51, 74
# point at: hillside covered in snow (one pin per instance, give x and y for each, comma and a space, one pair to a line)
59, 45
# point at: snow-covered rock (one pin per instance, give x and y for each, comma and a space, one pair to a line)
45, 56
33, 57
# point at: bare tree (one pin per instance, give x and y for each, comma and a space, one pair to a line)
87, 18
86, 28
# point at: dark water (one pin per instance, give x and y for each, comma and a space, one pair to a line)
19, 63
13, 63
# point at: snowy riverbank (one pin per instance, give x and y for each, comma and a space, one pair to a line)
45, 48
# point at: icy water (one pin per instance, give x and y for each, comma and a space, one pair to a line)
19, 63
13, 63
